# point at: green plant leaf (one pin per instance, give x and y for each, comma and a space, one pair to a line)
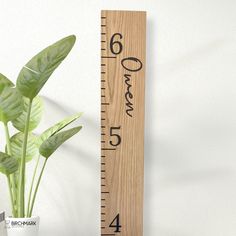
35, 115
8, 164
36, 72
16, 142
5, 82
56, 128
11, 104
49, 146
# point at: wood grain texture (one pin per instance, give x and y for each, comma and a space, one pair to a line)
122, 117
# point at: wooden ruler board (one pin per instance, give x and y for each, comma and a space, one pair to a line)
123, 49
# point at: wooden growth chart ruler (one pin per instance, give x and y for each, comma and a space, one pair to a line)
123, 48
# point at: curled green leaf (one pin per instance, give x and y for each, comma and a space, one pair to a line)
49, 146
56, 128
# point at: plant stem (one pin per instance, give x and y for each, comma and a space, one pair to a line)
21, 185
11, 195
12, 177
32, 184
36, 188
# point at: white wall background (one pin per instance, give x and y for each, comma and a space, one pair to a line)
190, 162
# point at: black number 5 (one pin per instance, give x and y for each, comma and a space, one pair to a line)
115, 45
113, 134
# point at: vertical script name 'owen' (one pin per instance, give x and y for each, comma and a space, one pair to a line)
131, 65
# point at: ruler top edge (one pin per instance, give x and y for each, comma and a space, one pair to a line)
123, 11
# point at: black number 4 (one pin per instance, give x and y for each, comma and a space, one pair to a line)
116, 224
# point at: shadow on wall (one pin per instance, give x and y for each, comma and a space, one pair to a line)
83, 157
163, 156
151, 61
64, 111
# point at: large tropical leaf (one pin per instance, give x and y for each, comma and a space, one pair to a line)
35, 115
50, 145
11, 103
5, 82
16, 142
8, 164
56, 128
36, 72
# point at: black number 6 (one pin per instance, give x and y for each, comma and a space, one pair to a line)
119, 47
